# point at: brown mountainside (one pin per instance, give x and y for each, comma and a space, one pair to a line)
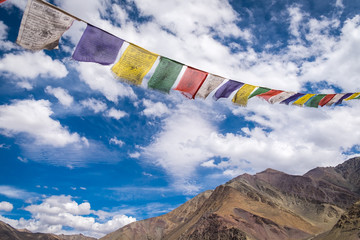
267, 205
348, 226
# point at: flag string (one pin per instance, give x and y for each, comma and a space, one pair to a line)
100, 46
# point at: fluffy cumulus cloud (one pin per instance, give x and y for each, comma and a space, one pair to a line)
32, 118
95, 105
117, 114
57, 213
100, 78
33, 65
6, 206
174, 147
4, 44
116, 141
152, 109
339, 65
61, 94
286, 138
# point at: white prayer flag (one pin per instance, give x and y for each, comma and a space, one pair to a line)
42, 26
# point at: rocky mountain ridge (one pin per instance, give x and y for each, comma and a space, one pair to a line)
268, 205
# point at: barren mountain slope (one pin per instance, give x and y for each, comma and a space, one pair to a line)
267, 205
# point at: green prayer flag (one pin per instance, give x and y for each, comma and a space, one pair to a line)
165, 75
259, 91
314, 101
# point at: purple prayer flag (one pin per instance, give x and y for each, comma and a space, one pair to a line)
225, 90
343, 97
292, 98
97, 46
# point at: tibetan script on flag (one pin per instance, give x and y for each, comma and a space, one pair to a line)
134, 64
42, 26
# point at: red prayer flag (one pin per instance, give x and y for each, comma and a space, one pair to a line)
326, 99
191, 82
1, 1
269, 94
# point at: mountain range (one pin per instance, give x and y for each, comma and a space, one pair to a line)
323, 204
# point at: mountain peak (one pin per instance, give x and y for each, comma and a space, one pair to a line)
268, 205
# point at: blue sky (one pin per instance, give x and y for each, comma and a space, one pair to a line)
83, 152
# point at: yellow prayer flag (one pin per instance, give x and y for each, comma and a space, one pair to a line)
134, 64
353, 96
301, 101
242, 96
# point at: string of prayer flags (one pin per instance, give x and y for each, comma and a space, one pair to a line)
269, 94
191, 82
134, 64
301, 101
42, 26
165, 75
227, 89
292, 98
259, 91
242, 95
314, 101
281, 97
354, 96
326, 99
97, 46
335, 99
210, 84
346, 95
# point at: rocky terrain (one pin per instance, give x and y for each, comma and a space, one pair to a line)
268, 205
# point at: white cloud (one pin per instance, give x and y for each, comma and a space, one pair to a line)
152, 109
134, 155
55, 205
209, 164
117, 114
15, 193
33, 118
296, 16
27, 65
286, 138
4, 146
203, 17
116, 141
56, 213
6, 206
339, 65
95, 105
61, 94
339, 3
4, 44
100, 78
24, 160
174, 149
21, 4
